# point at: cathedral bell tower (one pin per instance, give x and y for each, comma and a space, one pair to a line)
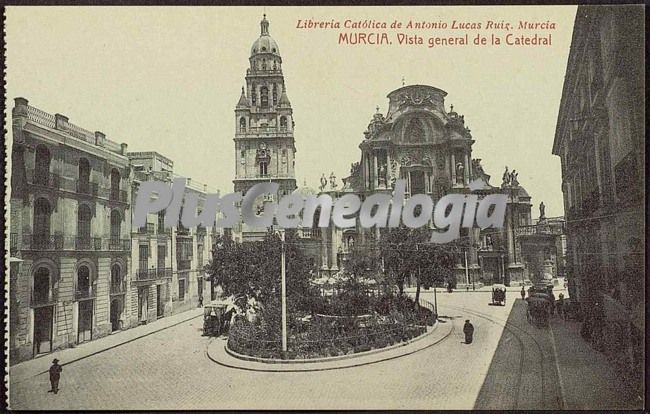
264, 143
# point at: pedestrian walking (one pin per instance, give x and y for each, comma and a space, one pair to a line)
560, 306
468, 330
201, 301
55, 375
523, 293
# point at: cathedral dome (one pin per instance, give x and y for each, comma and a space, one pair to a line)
265, 43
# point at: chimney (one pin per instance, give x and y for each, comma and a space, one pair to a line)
21, 106
59, 120
99, 138
124, 147
205, 188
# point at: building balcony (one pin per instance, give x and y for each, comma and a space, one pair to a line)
310, 233
164, 273
88, 243
118, 288
46, 179
115, 194
146, 275
87, 188
84, 294
149, 228
115, 244
42, 242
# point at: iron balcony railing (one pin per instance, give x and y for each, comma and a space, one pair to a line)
46, 179
88, 243
118, 288
87, 188
115, 244
84, 294
42, 242
153, 274
149, 228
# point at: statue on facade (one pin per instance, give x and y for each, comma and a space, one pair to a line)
333, 184
513, 178
393, 172
542, 211
506, 177
460, 169
381, 172
323, 182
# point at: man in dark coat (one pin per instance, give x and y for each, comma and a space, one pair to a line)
523, 293
55, 374
468, 330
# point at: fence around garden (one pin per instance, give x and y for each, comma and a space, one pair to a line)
321, 336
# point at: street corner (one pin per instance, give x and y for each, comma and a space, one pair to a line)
218, 353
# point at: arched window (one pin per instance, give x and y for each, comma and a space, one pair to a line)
83, 281
263, 168
42, 214
84, 176
116, 221
264, 96
115, 184
415, 132
242, 124
283, 122
42, 165
84, 217
41, 286
116, 279
275, 95
253, 94
263, 64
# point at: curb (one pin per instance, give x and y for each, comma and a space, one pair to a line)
309, 366
327, 359
111, 347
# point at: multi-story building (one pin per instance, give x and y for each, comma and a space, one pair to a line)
79, 271
167, 275
600, 139
70, 221
264, 141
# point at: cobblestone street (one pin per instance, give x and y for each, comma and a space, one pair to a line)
169, 369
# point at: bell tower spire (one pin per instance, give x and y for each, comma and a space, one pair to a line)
264, 24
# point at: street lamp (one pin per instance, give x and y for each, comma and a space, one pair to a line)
284, 297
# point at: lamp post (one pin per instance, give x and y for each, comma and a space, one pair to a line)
284, 298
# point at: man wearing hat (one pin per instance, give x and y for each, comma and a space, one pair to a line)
468, 330
55, 374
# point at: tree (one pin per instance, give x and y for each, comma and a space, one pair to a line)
253, 269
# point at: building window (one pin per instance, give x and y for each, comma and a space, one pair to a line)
41, 286
283, 122
42, 213
275, 95
161, 221
264, 96
116, 279
143, 257
84, 176
83, 227
263, 168
115, 184
242, 124
181, 289
83, 281
116, 221
253, 95
162, 253
42, 170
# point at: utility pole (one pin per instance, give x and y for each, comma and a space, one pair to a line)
466, 268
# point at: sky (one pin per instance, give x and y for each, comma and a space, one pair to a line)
167, 79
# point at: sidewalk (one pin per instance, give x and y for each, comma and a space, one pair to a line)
28, 369
587, 378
